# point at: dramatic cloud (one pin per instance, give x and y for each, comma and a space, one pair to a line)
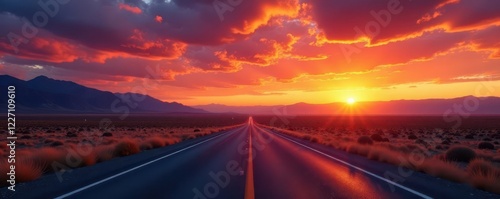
202, 50
393, 20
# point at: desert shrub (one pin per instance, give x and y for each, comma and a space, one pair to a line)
107, 134
71, 134
172, 140
104, 153
486, 145
310, 138
480, 167
56, 143
385, 155
460, 154
469, 136
46, 156
108, 141
156, 142
412, 137
421, 142
496, 158
126, 147
376, 137
89, 159
145, 146
358, 149
411, 148
49, 140
442, 169
152, 143
483, 175
25, 137
365, 140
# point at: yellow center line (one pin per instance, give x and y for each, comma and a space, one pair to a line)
249, 186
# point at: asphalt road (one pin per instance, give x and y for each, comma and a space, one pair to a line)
222, 166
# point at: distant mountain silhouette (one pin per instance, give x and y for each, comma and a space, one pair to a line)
468, 105
46, 95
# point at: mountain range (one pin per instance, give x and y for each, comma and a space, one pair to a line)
43, 95
463, 106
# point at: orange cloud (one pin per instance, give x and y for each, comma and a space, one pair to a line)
265, 12
45, 49
159, 18
129, 8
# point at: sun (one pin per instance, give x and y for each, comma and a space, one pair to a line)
351, 101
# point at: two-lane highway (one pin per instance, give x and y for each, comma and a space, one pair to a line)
246, 162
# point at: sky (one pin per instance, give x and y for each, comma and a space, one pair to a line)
258, 52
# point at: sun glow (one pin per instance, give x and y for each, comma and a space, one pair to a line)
351, 101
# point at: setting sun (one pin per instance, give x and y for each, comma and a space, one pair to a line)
351, 101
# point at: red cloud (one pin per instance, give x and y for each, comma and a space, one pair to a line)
158, 19
45, 49
130, 8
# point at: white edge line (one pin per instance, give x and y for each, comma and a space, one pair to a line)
132, 169
360, 169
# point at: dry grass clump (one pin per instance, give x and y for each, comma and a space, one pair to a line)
311, 138
496, 158
443, 169
383, 154
365, 140
483, 175
104, 153
44, 157
486, 145
378, 138
460, 154
126, 147
28, 170
157, 142
359, 149
172, 140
